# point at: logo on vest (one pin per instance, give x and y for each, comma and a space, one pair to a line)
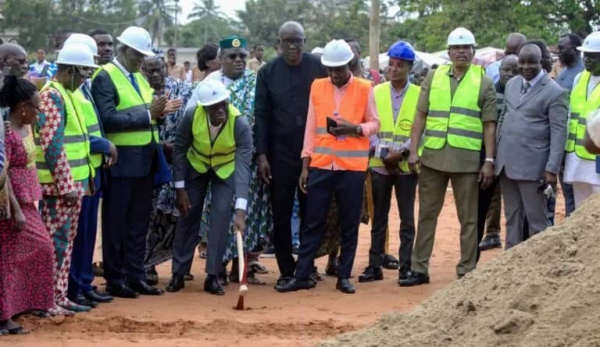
405, 125
236, 43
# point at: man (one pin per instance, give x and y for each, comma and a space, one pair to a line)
282, 95
257, 62
570, 59
530, 145
188, 71
241, 83
356, 65
40, 67
213, 146
105, 44
13, 60
514, 41
60, 38
164, 214
128, 112
102, 152
63, 161
581, 165
396, 103
338, 156
457, 110
490, 199
174, 70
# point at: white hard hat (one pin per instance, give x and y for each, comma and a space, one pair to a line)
211, 92
138, 39
84, 39
76, 54
317, 50
461, 36
591, 43
337, 53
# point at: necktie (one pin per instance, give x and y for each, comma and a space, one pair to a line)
134, 83
525, 88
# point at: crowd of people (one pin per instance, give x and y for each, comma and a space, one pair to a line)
294, 153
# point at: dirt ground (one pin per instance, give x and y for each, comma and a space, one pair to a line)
194, 318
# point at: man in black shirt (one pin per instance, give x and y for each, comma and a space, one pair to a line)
281, 107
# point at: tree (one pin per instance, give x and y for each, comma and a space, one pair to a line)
206, 9
159, 13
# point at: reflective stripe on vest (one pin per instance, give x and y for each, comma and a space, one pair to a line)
86, 108
218, 155
350, 153
581, 107
397, 134
76, 143
130, 101
455, 119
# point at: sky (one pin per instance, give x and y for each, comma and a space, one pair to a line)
226, 6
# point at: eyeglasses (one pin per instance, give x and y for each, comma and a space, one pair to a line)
234, 56
289, 42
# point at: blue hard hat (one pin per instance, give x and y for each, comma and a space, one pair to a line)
402, 50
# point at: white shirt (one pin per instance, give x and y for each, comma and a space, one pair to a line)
578, 169
127, 74
188, 76
39, 67
215, 75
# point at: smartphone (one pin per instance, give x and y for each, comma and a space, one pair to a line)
331, 123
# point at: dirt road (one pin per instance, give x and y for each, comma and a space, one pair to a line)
194, 318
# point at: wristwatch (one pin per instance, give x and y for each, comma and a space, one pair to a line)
491, 160
358, 130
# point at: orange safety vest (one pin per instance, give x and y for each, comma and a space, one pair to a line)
350, 153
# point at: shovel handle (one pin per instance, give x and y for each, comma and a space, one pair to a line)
240, 250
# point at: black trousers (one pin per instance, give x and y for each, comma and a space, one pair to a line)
282, 200
348, 188
405, 187
483, 206
125, 218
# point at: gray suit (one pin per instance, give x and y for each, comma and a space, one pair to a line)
531, 141
196, 184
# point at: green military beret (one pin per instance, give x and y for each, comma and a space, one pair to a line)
233, 42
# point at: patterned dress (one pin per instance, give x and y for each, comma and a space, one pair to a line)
259, 220
164, 216
26, 256
61, 220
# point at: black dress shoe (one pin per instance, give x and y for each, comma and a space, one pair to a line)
294, 285
414, 279
404, 273
121, 291
152, 276
490, 242
371, 274
98, 297
84, 301
213, 286
345, 286
176, 283
283, 280
144, 288
390, 262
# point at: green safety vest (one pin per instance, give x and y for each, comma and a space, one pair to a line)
76, 141
455, 119
86, 108
131, 100
218, 155
581, 107
398, 133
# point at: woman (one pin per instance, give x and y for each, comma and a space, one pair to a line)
208, 62
26, 252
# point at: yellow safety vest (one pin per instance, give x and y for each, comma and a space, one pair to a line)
76, 141
455, 119
131, 100
86, 108
398, 133
218, 155
581, 107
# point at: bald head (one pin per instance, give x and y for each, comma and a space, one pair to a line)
509, 68
291, 28
291, 42
514, 41
530, 61
14, 58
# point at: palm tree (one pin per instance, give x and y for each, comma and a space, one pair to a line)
159, 13
206, 8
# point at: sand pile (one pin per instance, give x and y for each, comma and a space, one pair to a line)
545, 292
